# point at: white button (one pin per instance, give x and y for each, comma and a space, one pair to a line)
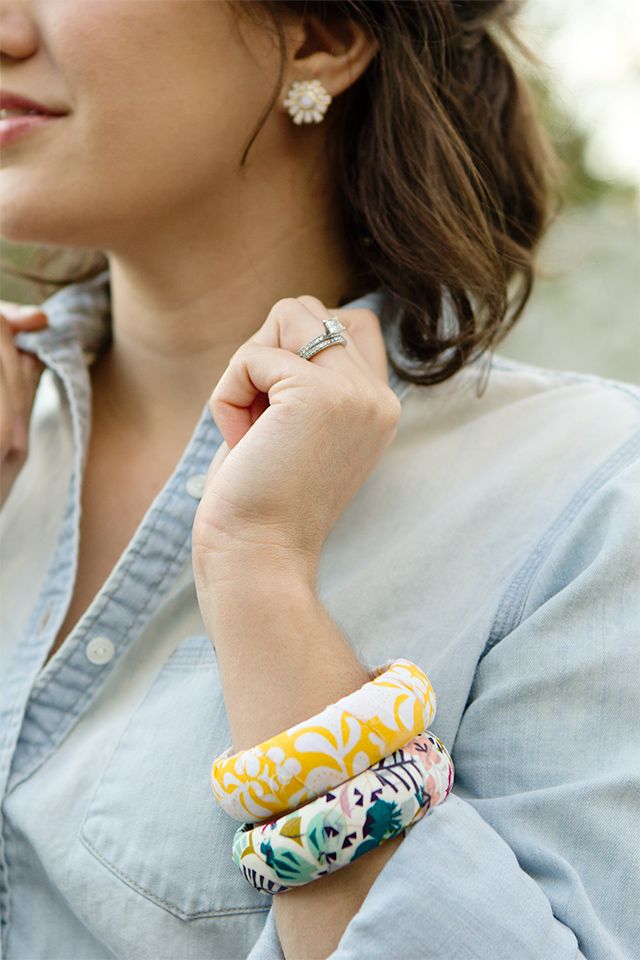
195, 485
100, 650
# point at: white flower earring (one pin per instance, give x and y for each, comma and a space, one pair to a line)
307, 101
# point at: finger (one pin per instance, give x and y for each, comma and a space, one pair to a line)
12, 372
32, 369
254, 369
318, 309
7, 416
15, 306
23, 316
363, 333
290, 324
36, 321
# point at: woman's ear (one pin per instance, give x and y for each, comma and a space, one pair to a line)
334, 50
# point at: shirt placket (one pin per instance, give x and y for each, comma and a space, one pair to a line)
39, 709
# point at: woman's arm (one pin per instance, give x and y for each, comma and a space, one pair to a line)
535, 852
534, 855
281, 660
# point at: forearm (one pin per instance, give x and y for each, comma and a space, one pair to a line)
281, 660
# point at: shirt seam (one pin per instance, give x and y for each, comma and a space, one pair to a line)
165, 904
516, 367
511, 606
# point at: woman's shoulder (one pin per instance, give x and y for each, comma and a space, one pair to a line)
581, 410
497, 376
517, 373
520, 432
532, 401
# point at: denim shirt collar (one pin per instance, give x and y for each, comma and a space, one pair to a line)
79, 314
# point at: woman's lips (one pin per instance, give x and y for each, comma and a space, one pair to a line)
13, 127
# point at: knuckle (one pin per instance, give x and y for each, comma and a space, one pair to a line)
362, 317
392, 406
355, 403
393, 401
307, 300
367, 409
346, 388
235, 365
238, 358
284, 306
383, 407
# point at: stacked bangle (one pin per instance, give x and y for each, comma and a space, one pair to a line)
341, 742
338, 827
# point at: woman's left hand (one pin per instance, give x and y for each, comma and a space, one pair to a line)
300, 436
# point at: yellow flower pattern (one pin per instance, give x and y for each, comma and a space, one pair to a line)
314, 756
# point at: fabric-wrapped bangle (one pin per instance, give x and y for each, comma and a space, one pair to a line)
337, 828
317, 754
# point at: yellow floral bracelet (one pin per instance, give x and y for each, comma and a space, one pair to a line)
318, 754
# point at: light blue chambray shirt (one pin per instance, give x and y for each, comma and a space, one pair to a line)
495, 544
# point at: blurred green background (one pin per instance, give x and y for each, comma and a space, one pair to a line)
584, 313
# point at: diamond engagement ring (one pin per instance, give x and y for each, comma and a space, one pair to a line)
332, 335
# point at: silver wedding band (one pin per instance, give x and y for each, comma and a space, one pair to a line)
332, 334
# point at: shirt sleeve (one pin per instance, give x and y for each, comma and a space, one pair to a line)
535, 852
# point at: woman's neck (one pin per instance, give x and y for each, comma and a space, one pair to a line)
171, 344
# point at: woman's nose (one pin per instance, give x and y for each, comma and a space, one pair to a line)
18, 32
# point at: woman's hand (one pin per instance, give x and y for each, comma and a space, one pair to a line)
19, 377
300, 436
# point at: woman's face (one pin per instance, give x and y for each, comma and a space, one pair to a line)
162, 96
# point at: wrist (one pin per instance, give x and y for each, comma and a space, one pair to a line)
255, 567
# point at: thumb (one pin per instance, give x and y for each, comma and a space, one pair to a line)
24, 318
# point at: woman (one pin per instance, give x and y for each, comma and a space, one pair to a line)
214, 537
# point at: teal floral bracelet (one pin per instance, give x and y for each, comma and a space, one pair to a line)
338, 827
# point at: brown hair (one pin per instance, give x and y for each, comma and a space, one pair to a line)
445, 173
